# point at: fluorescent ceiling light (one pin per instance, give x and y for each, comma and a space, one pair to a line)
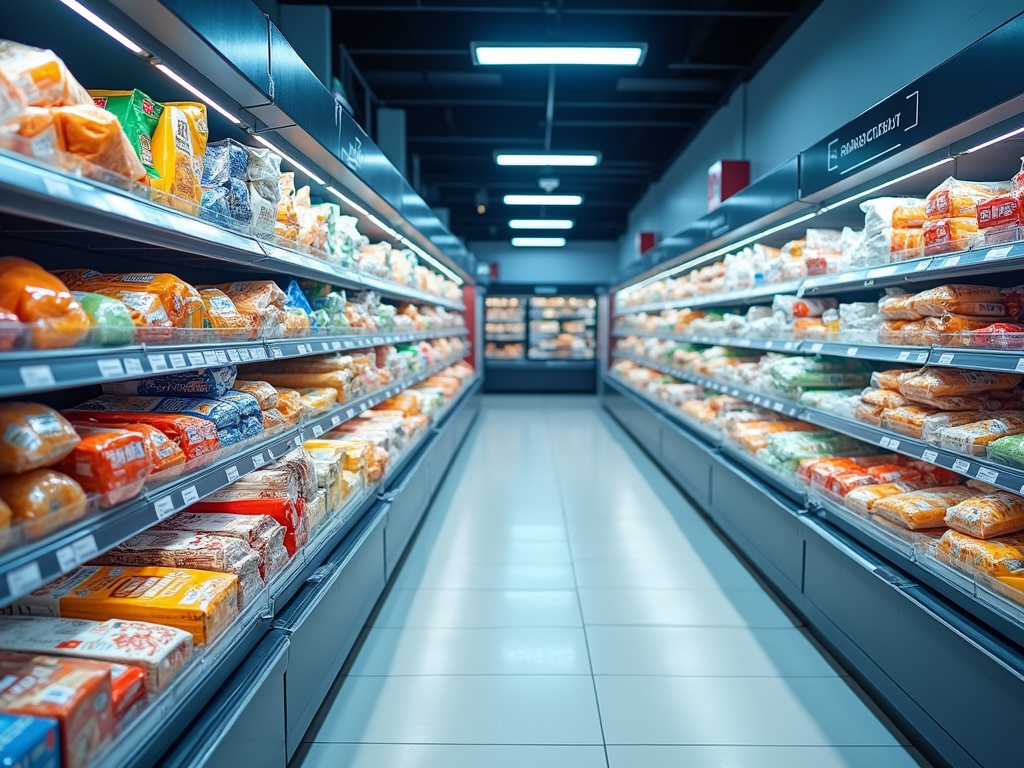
543, 199
580, 159
880, 187
431, 260
199, 94
538, 242
996, 140
348, 201
290, 159
541, 224
497, 54
99, 23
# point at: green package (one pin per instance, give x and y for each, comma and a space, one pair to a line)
111, 320
1007, 450
138, 115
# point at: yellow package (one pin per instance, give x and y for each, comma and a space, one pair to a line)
221, 310
340, 381
200, 602
352, 483
182, 304
179, 144
318, 400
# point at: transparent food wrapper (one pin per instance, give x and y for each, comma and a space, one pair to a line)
112, 464
898, 306
1007, 450
33, 436
179, 144
941, 382
110, 320
886, 212
195, 437
955, 198
38, 502
974, 300
987, 516
973, 439
886, 398
1003, 211
261, 532
932, 426
921, 509
164, 454
264, 392
202, 382
43, 302
863, 499
949, 235
995, 557
180, 302
95, 135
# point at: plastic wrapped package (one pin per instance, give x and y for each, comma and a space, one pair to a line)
921, 509
195, 436
198, 551
995, 336
867, 413
904, 244
42, 500
327, 457
200, 602
996, 400
181, 302
164, 453
289, 404
974, 300
910, 215
973, 439
893, 332
932, 426
286, 511
202, 382
261, 532
225, 160
1007, 450
899, 307
40, 76
227, 202
96, 136
261, 302
264, 392
995, 557
222, 412
948, 330
339, 381
896, 472
112, 463
43, 302
789, 373
33, 436
941, 382
887, 398
753, 435
298, 320
273, 419
862, 500
947, 235
317, 400
987, 516
793, 307
110, 320
73, 692
792, 447
881, 213
179, 144
221, 310
33, 132
316, 511
1003, 211
139, 116
161, 651
954, 198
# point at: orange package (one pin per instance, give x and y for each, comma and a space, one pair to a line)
890, 379
909, 216
96, 136
42, 500
40, 76
899, 308
940, 382
43, 302
289, 404
407, 404
996, 557
753, 435
976, 300
35, 129
110, 462
163, 452
973, 439
12, 100
868, 414
954, 198
893, 473
922, 509
180, 301
993, 514
952, 330
893, 332
905, 244
841, 483
862, 500
196, 437
221, 310
907, 419
946, 235
75, 693
887, 398
32, 436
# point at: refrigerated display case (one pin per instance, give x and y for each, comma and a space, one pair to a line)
505, 327
563, 328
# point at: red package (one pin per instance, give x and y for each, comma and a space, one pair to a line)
1004, 210
842, 483
894, 473
936, 476
289, 513
195, 436
164, 452
111, 462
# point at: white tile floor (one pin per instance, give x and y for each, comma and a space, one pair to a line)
565, 607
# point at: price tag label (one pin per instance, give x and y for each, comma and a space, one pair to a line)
325, 346
349, 344
196, 358
950, 261
884, 442
378, 339
36, 376
930, 456
233, 356
303, 349
163, 506
1020, 365
882, 272
277, 352
363, 407
335, 420
317, 430
209, 357
190, 495
894, 444
24, 579
902, 356
770, 345
157, 363
987, 475
58, 188
177, 361
961, 466
77, 552
923, 265
777, 407
110, 367
997, 253
222, 357
258, 460
852, 351
259, 353
816, 348
335, 345
350, 413
231, 473
922, 357
946, 358
244, 354
133, 366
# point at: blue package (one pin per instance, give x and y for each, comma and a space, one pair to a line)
224, 160
295, 299
223, 413
29, 742
230, 436
247, 405
252, 426
203, 382
227, 201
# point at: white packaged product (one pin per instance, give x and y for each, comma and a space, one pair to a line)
878, 212
261, 532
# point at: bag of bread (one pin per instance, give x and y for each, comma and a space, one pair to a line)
113, 463
940, 382
975, 300
932, 426
973, 439
264, 392
40, 76
898, 307
996, 557
261, 303
33, 436
32, 132
42, 500
96, 136
221, 310
907, 419
890, 379
993, 514
947, 235
891, 332
909, 215
181, 303
954, 198
139, 116
983, 401
921, 509
862, 500
289, 404
905, 244
43, 302
880, 213
179, 144
887, 398
869, 414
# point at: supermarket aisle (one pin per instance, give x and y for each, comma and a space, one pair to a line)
564, 607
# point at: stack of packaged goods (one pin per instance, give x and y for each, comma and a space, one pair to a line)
952, 211
240, 186
1001, 218
954, 316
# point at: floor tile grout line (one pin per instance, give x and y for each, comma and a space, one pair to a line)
576, 588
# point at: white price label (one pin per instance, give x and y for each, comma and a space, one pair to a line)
946, 358
157, 363
258, 460
378, 339
209, 357
894, 444
903, 356
325, 346
987, 475
961, 466
852, 351
84, 548
244, 354
24, 579
884, 442
770, 345
882, 272
190, 495
259, 353
930, 456
335, 345
363, 407
66, 558
303, 349
922, 357
317, 430
1020, 365
163, 506
335, 420
231, 473
277, 353
233, 356
222, 357
36, 375
351, 412
349, 344
58, 188
133, 366
777, 407
816, 348
196, 358
950, 261
177, 361
997, 253
110, 367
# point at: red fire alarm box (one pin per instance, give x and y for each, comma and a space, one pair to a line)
725, 179
644, 242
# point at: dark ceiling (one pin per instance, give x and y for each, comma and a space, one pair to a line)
415, 55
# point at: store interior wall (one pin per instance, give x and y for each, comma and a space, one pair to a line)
578, 263
843, 59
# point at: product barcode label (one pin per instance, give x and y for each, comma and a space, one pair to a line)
196, 358
157, 363
190, 495
277, 352
133, 366
110, 367
930, 456
903, 356
36, 375
882, 272
987, 475
77, 552
363, 407
163, 506
317, 430
24, 579
177, 361
961, 466
231, 473
349, 344
378, 339
259, 353
209, 356
946, 358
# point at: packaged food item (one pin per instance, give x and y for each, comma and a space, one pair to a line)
921, 509
862, 500
941, 382
974, 300
907, 419
887, 398
40, 76
181, 303
1007, 450
265, 394
221, 310
73, 692
201, 382
179, 144
899, 307
317, 400
43, 302
996, 336
202, 603
110, 462
138, 115
32, 436
973, 439
1001, 211
273, 418
195, 436
32, 132
261, 532
998, 513
932, 426
95, 135
996, 557
869, 414
880, 213
289, 404
261, 303
286, 511
910, 215
946, 235
42, 500
893, 332
954, 198
26, 741
339, 381
162, 651
225, 411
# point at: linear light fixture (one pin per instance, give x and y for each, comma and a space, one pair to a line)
541, 224
996, 140
290, 159
99, 23
200, 95
543, 199
538, 242
545, 159
531, 54
431, 260
346, 200
886, 184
